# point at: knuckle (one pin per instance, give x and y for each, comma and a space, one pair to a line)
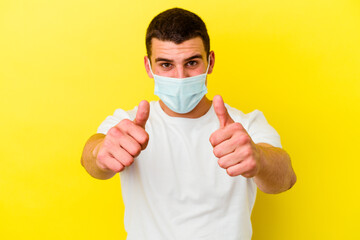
114, 132
211, 140
246, 138
118, 168
106, 144
247, 152
101, 156
230, 172
100, 163
237, 126
251, 165
144, 138
121, 168
238, 155
214, 138
238, 140
221, 163
216, 151
127, 160
135, 150
243, 139
124, 123
105, 163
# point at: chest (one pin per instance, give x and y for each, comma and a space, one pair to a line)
179, 163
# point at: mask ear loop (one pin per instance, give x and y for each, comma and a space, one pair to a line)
207, 69
150, 66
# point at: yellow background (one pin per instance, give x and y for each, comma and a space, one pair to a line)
67, 64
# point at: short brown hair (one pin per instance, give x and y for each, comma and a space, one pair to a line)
177, 25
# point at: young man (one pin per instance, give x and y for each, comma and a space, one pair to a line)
189, 166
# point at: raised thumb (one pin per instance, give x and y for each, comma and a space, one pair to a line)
142, 114
221, 111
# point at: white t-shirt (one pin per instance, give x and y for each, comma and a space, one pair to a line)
175, 188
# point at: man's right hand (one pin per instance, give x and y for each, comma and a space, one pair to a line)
123, 142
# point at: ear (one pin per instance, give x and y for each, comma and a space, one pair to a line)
212, 61
147, 67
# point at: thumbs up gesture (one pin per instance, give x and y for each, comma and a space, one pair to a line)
124, 141
233, 146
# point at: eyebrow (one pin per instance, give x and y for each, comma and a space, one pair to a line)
187, 59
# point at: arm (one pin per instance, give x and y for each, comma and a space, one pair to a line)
275, 173
239, 155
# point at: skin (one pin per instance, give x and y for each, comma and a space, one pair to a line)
106, 155
239, 155
182, 60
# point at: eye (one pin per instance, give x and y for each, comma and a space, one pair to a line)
191, 63
165, 65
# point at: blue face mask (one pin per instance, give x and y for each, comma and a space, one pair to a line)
181, 95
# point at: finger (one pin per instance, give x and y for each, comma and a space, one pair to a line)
221, 111
122, 156
130, 145
224, 134
139, 134
229, 160
142, 114
239, 155
243, 168
108, 162
224, 148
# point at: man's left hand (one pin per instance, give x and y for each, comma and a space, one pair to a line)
236, 151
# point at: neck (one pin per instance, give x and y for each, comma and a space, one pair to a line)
200, 110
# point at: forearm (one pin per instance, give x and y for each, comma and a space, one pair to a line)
276, 173
88, 158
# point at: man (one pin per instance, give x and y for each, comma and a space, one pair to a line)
189, 167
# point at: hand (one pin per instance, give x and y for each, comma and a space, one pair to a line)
237, 153
124, 142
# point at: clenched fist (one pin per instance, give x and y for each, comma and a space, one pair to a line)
233, 146
124, 142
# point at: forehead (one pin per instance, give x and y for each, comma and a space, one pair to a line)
171, 50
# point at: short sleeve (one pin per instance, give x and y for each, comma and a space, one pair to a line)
114, 119
261, 131
257, 126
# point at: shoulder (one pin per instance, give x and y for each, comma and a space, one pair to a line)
244, 118
118, 115
256, 125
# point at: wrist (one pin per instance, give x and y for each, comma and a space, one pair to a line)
260, 159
